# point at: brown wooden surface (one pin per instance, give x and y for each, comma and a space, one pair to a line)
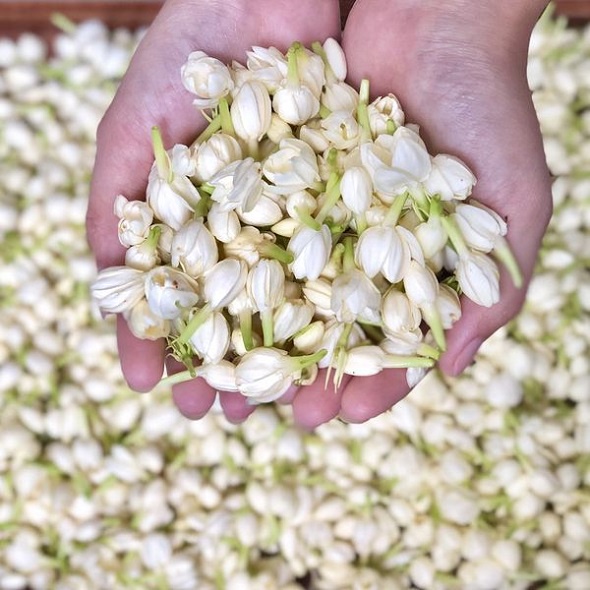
35, 15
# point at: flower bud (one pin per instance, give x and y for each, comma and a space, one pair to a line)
145, 324
311, 250
478, 278
267, 65
449, 178
295, 104
216, 153
220, 376
354, 296
224, 281
135, 219
181, 160
290, 317
118, 288
399, 313
144, 256
339, 96
309, 339
245, 245
224, 225
431, 236
333, 332
251, 111
313, 136
211, 339
300, 201
207, 77
382, 249
357, 189
266, 285
319, 292
279, 129
265, 213
479, 226
194, 248
420, 285
169, 292
448, 305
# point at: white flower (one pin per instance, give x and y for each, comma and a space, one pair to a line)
145, 324
385, 112
448, 305
264, 374
224, 281
339, 96
193, 248
341, 129
214, 154
266, 285
239, 184
449, 178
118, 288
431, 236
332, 336
311, 250
292, 168
265, 213
221, 376
354, 296
278, 129
246, 245
135, 219
480, 227
336, 58
290, 317
383, 249
169, 292
396, 161
357, 189
478, 278
211, 339
207, 77
224, 225
268, 65
144, 256
319, 292
251, 111
309, 339
295, 104
171, 201
399, 313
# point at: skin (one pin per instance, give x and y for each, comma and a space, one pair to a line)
459, 69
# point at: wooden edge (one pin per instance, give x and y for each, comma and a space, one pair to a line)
35, 15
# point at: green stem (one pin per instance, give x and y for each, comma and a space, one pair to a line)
395, 210
180, 377
266, 318
153, 236
63, 23
270, 250
348, 256
202, 207
292, 65
245, 319
162, 159
332, 196
373, 332
198, 319
399, 361
455, 235
227, 125
362, 113
432, 317
503, 252
390, 127
306, 218
213, 127
428, 351
361, 223
302, 362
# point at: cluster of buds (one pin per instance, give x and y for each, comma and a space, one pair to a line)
306, 227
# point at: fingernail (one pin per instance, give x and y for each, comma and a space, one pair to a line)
467, 355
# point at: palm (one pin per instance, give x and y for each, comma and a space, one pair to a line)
467, 89
152, 94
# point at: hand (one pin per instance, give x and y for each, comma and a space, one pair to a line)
151, 93
459, 69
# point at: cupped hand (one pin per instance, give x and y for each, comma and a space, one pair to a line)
151, 93
459, 70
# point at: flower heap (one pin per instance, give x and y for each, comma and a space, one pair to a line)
306, 227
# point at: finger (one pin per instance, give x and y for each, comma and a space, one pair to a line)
142, 361
235, 406
317, 403
193, 398
368, 397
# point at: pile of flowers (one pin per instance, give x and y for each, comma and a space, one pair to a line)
305, 227
476, 482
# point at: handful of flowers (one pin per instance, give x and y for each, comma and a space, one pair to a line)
306, 227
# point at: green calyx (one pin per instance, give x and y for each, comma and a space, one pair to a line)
162, 159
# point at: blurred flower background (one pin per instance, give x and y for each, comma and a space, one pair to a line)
479, 482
